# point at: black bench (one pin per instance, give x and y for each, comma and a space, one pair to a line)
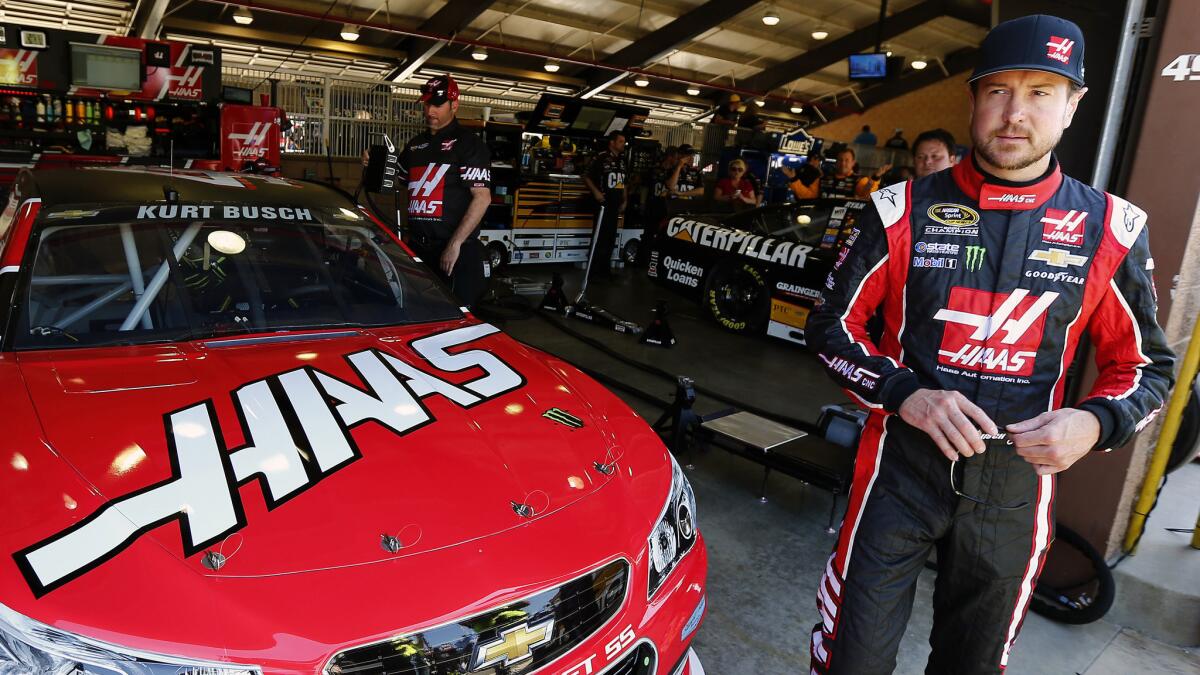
824, 460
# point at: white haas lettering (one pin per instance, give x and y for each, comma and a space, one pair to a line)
253, 143
992, 358
203, 492
851, 372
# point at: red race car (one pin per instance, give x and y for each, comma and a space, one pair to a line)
245, 431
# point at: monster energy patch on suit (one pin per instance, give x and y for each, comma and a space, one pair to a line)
975, 255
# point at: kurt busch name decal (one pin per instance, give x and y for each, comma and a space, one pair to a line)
297, 423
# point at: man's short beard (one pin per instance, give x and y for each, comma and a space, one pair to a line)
1035, 155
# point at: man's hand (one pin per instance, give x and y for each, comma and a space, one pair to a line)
881, 171
1055, 440
947, 417
788, 171
366, 157
450, 256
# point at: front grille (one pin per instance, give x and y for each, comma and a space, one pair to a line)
639, 662
510, 640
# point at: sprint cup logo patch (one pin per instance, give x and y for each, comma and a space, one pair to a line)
563, 417
955, 215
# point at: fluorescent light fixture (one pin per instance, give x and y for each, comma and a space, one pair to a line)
243, 16
820, 34
479, 54
693, 90
642, 81
551, 66
349, 32
919, 63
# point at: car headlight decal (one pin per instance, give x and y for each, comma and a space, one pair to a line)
675, 532
28, 646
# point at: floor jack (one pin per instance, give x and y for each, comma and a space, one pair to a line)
583, 309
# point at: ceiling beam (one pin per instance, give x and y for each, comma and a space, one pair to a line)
453, 17
147, 22
912, 80
860, 40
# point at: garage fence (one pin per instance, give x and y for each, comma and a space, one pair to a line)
341, 115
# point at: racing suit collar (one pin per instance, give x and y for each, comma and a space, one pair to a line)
995, 193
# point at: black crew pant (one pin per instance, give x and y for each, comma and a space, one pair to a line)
467, 282
604, 238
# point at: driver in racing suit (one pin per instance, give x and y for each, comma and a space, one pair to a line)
986, 276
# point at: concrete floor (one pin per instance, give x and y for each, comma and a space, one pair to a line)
766, 558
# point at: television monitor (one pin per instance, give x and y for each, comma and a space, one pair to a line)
237, 95
593, 119
868, 66
106, 67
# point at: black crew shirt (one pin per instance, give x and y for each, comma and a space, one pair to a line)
441, 168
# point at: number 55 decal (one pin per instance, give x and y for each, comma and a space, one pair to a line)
1183, 67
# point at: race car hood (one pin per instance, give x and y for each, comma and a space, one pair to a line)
337, 449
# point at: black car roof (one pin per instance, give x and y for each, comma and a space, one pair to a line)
143, 185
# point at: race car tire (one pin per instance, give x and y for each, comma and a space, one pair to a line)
629, 252
497, 255
737, 297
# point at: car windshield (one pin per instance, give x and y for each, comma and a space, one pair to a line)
108, 277
804, 223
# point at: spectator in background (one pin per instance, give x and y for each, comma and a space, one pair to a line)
727, 114
751, 120
933, 151
685, 182
865, 137
736, 188
846, 183
897, 141
804, 181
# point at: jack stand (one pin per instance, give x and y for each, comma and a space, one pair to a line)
659, 331
555, 299
679, 419
583, 309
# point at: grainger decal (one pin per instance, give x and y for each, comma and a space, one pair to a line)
297, 422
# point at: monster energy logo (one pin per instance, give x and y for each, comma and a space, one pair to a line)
975, 258
563, 417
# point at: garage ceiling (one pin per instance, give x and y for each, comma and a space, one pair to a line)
602, 46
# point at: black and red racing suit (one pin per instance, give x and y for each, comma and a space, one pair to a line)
985, 287
440, 169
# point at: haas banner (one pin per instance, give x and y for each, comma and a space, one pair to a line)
249, 133
174, 71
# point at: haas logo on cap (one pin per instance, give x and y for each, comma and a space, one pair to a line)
1059, 48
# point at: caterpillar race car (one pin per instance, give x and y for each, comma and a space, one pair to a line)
247, 432
756, 271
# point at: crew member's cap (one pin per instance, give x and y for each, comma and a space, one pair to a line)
439, 89
734, 98
686, 149
1037, 42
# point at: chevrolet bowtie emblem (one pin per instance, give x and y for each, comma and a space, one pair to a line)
514, 645
1057, 257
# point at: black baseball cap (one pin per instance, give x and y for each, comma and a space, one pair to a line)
1037, 42
686, 149
439, 89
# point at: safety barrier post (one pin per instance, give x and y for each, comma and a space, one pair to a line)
1166, 440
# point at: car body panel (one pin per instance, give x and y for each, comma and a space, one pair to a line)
792, 258
91, 429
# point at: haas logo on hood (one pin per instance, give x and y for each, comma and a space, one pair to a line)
203, 492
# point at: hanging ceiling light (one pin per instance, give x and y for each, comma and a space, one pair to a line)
770, 17
887, 49
919, 63
796, 108
642, 81
693, 90
551, 66
820, 33
242, 16
759, 102
349, 32
479, 53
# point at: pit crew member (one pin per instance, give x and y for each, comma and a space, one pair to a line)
606, 181
933, 151
986, 276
